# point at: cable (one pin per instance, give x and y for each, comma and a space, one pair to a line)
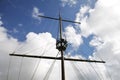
9, 67
82, 72
100, 72
87, 67
23, 45
31, 51
95, 71
20, 68
38, 64
77, 70
95, 55
108, 73
36, 68
50, 69
100, 75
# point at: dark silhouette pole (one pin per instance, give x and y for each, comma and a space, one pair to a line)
61, 45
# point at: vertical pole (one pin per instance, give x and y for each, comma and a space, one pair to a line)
62, 56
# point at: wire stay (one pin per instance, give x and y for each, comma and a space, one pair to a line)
9, 67
50, 69
20, 68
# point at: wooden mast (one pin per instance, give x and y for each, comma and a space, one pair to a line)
61, 45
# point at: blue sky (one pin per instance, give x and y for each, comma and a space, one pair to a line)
17, 18
98, 35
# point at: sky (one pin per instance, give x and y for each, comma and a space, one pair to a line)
23, 32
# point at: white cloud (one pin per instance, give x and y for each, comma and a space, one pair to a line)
72, 37
35, 14
96, 42
104, 21
82, 17
37, 44
7, 45
70, 3
81, 14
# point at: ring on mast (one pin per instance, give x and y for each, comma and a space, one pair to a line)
61, 45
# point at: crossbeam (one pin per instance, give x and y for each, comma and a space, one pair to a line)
59, 19
57, 58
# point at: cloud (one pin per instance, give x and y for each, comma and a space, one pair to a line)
38, 44
103, 21
96, 42
82, 16
35, 14
7, 45
70, 3
35, 44
73, 37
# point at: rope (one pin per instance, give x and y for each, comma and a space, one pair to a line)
38, 65
108, 73
86, 77
20, 68
95, 72
9, 67
23, 45
50, 69
100, 72
87, 67
77, 70
35, 70
98, 55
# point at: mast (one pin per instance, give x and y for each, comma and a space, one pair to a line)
61, 45
62, 54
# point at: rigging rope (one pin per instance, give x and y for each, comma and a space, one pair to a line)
36, 68
20, 68
82, 72
98, 55
89, 65
99, 71
95, 71
108, 73
9, 67
23, 45
50, 69
38, 65
78, 71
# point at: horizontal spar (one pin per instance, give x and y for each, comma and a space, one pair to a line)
57, 58
59, 19
35, 56
83, 60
